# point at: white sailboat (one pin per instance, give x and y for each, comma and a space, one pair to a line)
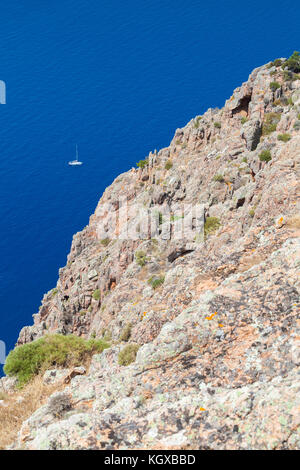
75, 162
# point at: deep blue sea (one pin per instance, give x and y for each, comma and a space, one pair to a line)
117, 78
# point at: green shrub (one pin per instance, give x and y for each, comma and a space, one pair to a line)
140, 257
244, 160
217, 125
155, 282
30, 359
168, 165
128, 354
277, 62
219, 178
174, 218
251, 213
197, 122
284, 137
287, 75
270, 123
105, 241
96, 294
142, 163
293, 63
268, 129
244, 120
126, 332
54, 292
265, 156
274, 86
297, 125
106, 335
211, 225
298, 117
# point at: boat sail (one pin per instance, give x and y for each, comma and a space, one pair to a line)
75, 162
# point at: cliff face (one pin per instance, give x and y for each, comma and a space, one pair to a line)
216, 316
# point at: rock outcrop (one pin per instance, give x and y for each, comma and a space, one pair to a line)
213, 308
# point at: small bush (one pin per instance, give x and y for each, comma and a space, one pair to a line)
128, 354
284, 137
265, 156
160, 218
30, 359
244, 120
59, 403
142, 163
54, 292
105, 241
96, 294
270, 123
107, 336
140, 257
297, 125
219, 178
277, 62
197, 122
252, 213
211, 225
174, 218
155, 282
244, 160
168, 165
288, 76
293, 63
217, 125
126, 332
274, 86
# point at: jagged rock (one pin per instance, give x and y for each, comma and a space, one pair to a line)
56, 376
8, 384
251, 132
218, 363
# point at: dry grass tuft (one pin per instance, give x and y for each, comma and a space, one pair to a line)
294, 221
12, 415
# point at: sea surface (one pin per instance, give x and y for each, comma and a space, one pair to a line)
117, 78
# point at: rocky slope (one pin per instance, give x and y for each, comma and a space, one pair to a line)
216, 316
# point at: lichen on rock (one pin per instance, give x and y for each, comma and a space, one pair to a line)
216, 341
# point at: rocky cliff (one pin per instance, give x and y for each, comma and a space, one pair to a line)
207, 300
